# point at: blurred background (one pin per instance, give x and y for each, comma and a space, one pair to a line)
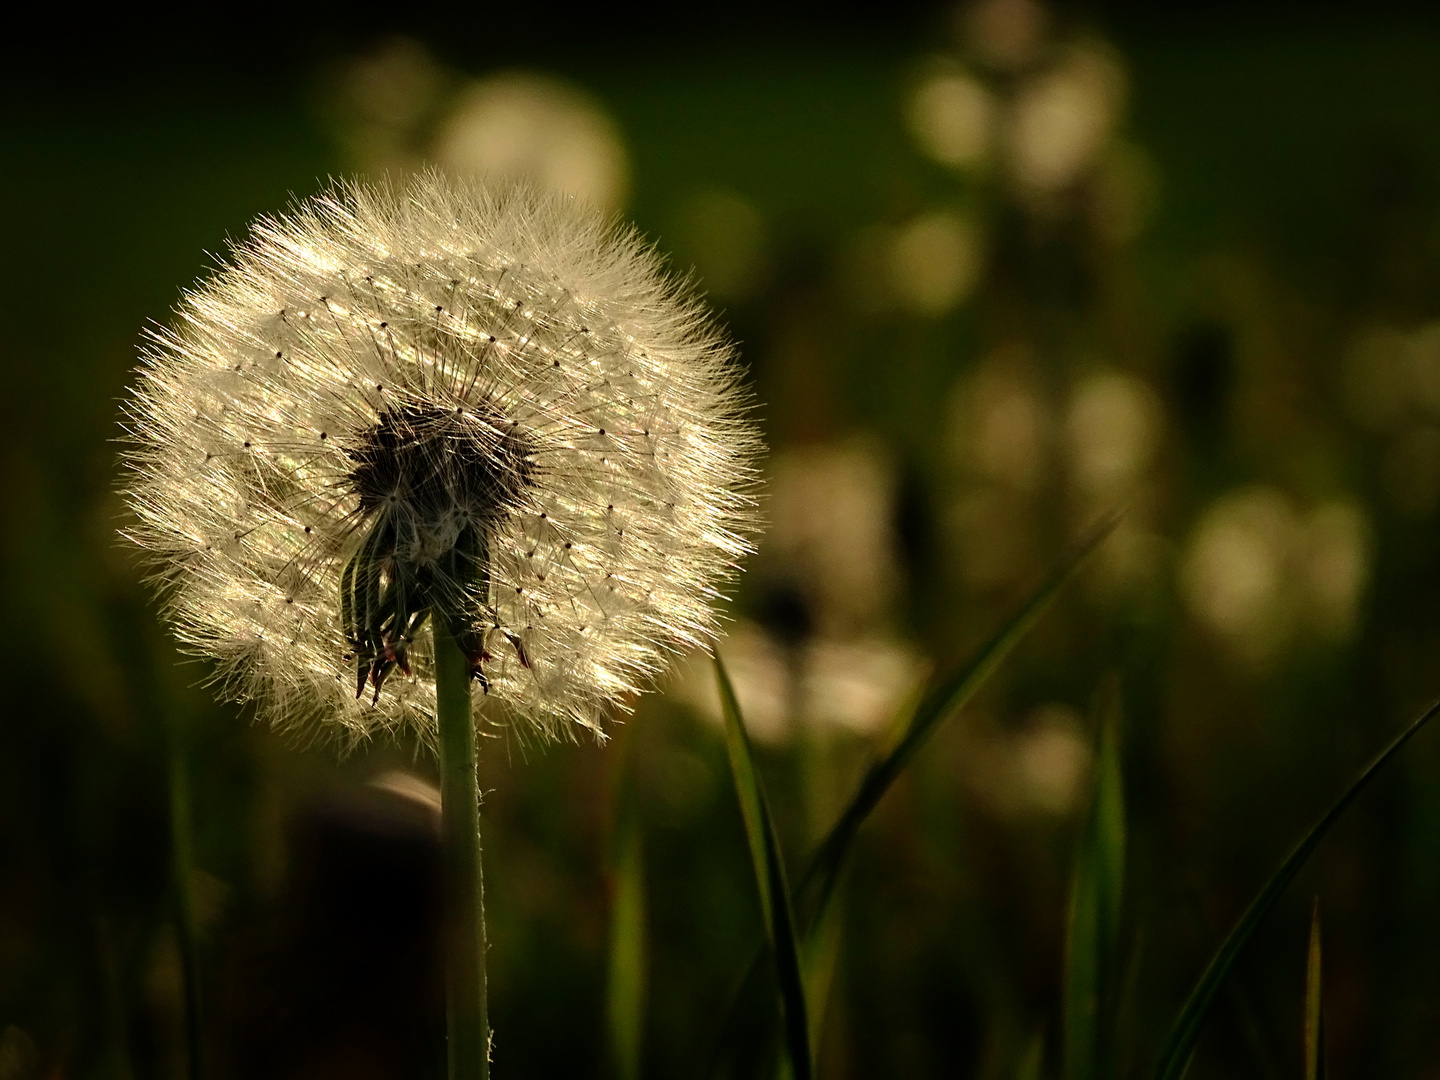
993, 269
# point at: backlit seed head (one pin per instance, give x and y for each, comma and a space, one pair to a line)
399, 403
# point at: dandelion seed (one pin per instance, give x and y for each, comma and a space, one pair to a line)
398, 401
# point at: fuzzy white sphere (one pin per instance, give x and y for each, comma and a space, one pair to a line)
391, 370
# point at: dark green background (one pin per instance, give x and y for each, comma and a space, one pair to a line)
1301, 147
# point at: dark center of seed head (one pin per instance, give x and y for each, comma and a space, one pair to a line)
434, 462
419, 468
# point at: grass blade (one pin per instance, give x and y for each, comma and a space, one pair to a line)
1031, 1065
943, 700
915, 721
819, 957
1092, 961
625, 991
1180, 1045
770, 880
1244, 1012
1314, 1018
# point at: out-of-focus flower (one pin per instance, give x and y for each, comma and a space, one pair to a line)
1005, 34
1392, 375
1235, 572
1410, 470
998, 422
441, 400
522, 125
723, 234
1132, 563
1424, 364
1112, 429
927, 267
760, 677
1390, 382
1039, 768
934, 262
825, 685
381, 100
819, 655
1377, 377
1124, 193
857, 684
998, 433
831, 531
1063, 118
1335, 568
415, 790
1255, 570
952, 117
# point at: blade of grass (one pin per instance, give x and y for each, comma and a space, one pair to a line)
947, 696
913, 723
770, 880
1093, 937
1031, 1065
1314, 1018
625, 990
1127, 1009
1180, 1045
819, 956
1244, 1011
917, 718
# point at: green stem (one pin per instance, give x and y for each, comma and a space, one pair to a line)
467, 1023
182, 863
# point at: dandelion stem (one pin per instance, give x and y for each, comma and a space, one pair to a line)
467, 1022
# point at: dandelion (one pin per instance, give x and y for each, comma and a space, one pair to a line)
442, 397
421, 447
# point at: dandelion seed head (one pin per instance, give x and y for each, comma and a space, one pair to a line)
393, 384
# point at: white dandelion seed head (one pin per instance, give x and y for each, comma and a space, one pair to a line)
394, 383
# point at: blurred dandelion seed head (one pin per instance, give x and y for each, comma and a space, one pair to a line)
522, 125
1037, 769
1005, 34
1063, 118
377, 102
831, 518
935, 262
1112, 428
725, 236
952, 117
1257, 570
998, 421
826, 686
821, 655
392, 377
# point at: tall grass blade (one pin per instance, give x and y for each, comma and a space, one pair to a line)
818, 882
819, 957
626, 984
915, 721
770, 880
1314, 1017
1031, 1065
1180, 1045
1244, 1011
1092, 961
